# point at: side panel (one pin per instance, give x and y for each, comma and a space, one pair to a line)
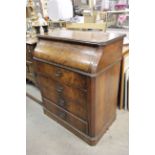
106, 98
111, 54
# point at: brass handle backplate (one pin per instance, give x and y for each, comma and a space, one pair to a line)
61, 102
58, 73
59, 89
62, 115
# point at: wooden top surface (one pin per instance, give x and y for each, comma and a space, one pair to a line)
98, 38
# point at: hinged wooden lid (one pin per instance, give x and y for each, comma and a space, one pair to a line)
76, 51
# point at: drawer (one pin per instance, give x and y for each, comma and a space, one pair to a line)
66, 116
53, 90
62, 75
75, 108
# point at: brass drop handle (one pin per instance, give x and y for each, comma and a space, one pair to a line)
61, 102
59, 89
62, 115
58, 73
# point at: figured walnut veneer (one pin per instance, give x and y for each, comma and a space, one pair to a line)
78, 75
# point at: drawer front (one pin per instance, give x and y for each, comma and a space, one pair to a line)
61, 95
73, 107
61, 75
53, 90
66, 116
